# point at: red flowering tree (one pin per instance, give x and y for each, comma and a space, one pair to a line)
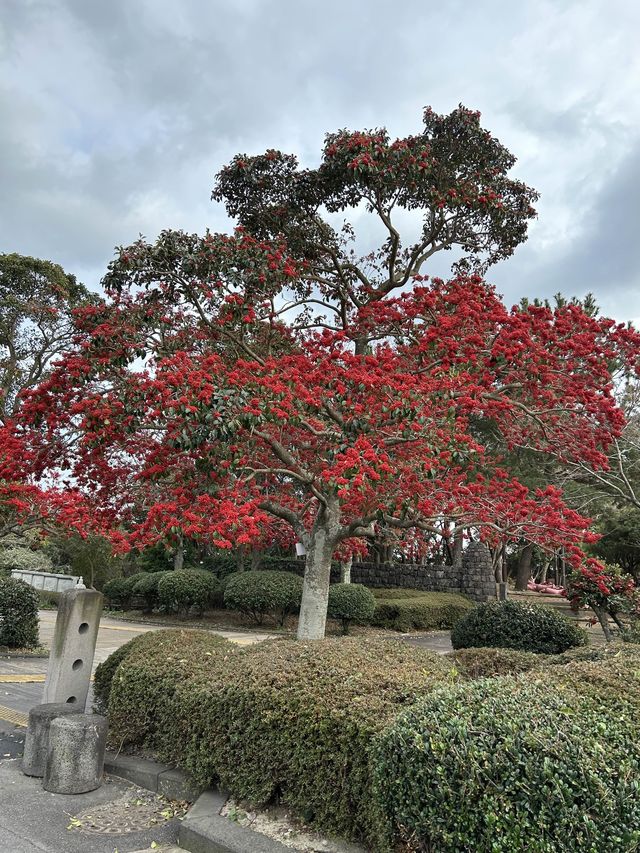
210, 441
233, 382
607, 591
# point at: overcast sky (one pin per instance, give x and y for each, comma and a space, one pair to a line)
116, 114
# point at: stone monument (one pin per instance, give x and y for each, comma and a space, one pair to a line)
73, 647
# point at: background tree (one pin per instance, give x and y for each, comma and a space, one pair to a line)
37, 299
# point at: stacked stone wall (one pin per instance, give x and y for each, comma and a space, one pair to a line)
474, 577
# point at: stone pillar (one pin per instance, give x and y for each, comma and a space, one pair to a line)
73, 648
478, 578
75, 754
37, 739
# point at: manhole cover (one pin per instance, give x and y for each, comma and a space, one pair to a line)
133, 812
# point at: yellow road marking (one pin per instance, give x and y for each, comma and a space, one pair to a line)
15, 717
21, 679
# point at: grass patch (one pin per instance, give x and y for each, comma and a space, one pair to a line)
408, 609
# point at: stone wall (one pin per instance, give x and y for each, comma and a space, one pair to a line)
474, 577
477, 577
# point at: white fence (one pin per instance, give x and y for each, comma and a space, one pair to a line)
48, 581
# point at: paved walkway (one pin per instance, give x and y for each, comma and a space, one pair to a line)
114, 633
34, 821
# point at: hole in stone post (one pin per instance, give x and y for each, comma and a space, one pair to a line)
83, 628
71, 700
76, 665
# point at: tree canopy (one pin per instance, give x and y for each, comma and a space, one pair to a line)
274, 382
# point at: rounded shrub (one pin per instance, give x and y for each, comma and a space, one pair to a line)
146, 587
106, 670
186, 588
120, 591
517, 625
258, 594
540, 762
138, 686
350, 602
18, 614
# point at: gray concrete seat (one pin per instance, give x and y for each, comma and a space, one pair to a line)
37, 739
75, 754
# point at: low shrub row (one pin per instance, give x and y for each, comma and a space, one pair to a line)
377, 741
407, 609
286, 719
175, 591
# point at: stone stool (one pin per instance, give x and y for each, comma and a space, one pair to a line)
75, 754
37, 739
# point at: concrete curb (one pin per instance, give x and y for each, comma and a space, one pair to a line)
203, 830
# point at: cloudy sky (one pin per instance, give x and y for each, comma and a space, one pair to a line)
115, 116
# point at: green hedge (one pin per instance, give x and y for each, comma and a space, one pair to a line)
186, 588
137, 682
261, 593
406, 610
376, 740
106, 670
282, 718
119, 591
146, 587
18, 614
350, 602
517, 625
541, 762
484, 662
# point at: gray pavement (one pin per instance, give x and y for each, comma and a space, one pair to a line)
35, 821
435, 641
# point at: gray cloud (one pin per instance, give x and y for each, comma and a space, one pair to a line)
115, 116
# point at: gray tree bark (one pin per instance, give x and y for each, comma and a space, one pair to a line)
345, 570
524, 567
178, 556
315, 590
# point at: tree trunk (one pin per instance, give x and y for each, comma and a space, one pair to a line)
603, 619
317, 573
524, 567
345, 570
178, 556
457, 546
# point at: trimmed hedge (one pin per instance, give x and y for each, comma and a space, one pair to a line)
540, 762
106, 670
186, 588
350, 602
18, 614
484, 662
517, 625
282, 718
119, 591
407, 609
261, 593
139, 688
146, 587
